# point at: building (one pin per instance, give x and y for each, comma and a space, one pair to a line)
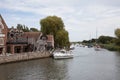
19, 41
3, 35
14, 40
16, 43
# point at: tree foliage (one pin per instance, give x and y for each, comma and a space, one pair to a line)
117, 32
117, 42
62, 38
102, 39
34, 30
90, 41
51, 24
55, 26
26, 29
106, 39
23, 27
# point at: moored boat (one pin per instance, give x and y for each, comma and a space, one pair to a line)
62, 54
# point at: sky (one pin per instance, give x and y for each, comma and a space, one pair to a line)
83, 19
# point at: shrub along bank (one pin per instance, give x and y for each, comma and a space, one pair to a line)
111, 47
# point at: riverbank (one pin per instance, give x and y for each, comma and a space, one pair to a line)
111, 47
23, 56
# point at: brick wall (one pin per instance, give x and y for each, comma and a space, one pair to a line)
3, 33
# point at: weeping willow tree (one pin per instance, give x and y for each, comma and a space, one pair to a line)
117, 33
55, 26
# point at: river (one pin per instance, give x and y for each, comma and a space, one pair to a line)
87, 64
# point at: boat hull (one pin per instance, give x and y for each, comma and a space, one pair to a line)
62, 56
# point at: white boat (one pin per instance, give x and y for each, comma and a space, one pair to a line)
62, 54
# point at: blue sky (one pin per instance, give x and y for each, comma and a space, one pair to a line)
81, 17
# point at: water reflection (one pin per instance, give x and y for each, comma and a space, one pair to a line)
87, 64
43, 69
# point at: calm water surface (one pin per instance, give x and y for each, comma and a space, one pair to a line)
87, 64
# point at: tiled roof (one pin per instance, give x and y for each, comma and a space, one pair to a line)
34, 35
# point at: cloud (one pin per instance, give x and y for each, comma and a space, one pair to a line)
81, 17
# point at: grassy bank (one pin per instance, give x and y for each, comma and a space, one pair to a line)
111, 47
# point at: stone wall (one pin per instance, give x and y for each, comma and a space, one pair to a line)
23, 56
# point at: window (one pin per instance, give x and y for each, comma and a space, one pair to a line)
1, 41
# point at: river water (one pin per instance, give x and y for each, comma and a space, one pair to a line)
87, 64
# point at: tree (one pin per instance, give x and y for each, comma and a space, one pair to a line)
26, 29
92, 40
105, 39
62, 38
34, 30
19, 26
23, 27
55, 26
117, 32
51, 24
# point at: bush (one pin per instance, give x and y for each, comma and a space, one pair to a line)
111, 47
117, 42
